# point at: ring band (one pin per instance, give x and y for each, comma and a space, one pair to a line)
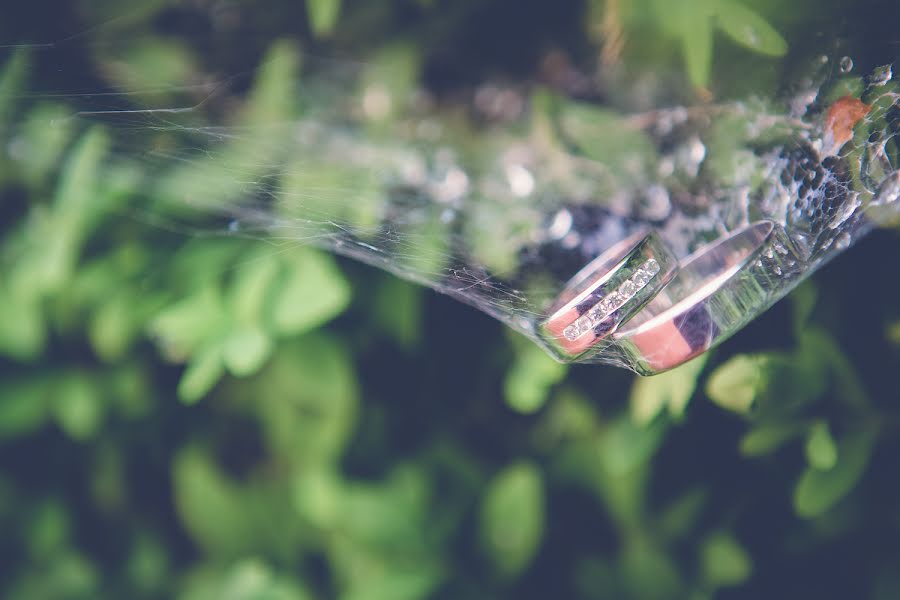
717, 290
607, 292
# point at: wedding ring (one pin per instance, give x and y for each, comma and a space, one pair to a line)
607, 292
717, 290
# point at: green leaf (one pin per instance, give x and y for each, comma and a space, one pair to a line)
273, 99
208, 504
246, 350
118, 321
821, 450
696, 45
818, 490
317, 494
24, 406
251, 579
45, 134
204, 370
528, 383
803, 301
23, 330
736, 384
768, 437
512, 518
670, 391
313, 291
155, 63
12, 79
604, 136
323, 15
649, 574
626, 446
398, 310
252, 284
306, 399
748, 29
187, 325
49, 263
78, 406
725, 562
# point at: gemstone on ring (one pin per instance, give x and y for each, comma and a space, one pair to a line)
612, 301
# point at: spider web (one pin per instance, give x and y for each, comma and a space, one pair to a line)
498, 210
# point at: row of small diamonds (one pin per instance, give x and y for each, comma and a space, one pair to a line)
612, 301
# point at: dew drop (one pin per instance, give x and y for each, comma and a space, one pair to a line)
888, 191
843, 241
846, 64
882, 75
561, 224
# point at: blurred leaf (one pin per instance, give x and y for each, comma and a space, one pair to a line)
389, 516
273, 99
512, 518
671, 390
204, 370
821, 450
398, 310
306, 400
12, 78
400, 584
247, 579
251, 285
190, 323
148, 564
78, 406
736, 384
45, 134
528, 383
66, 575
323, 15
819, 490
24, 405
803, 301
768, 437
22, 327
680, 517
120, 317
893, 333
696, 46
748, 29
151, 63
649, 574
49, 263
725, 562
604, 136
48, 530
626, 445
317, 495
209, 506
389, 83
313, 291
246, 350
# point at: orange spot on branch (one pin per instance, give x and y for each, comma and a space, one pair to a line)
842, 117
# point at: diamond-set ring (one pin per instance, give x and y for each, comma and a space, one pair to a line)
716, 291
607, 292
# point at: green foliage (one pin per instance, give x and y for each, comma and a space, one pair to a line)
692, 24
671, 391
529, 381
323, 15
725, 562
512, 518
